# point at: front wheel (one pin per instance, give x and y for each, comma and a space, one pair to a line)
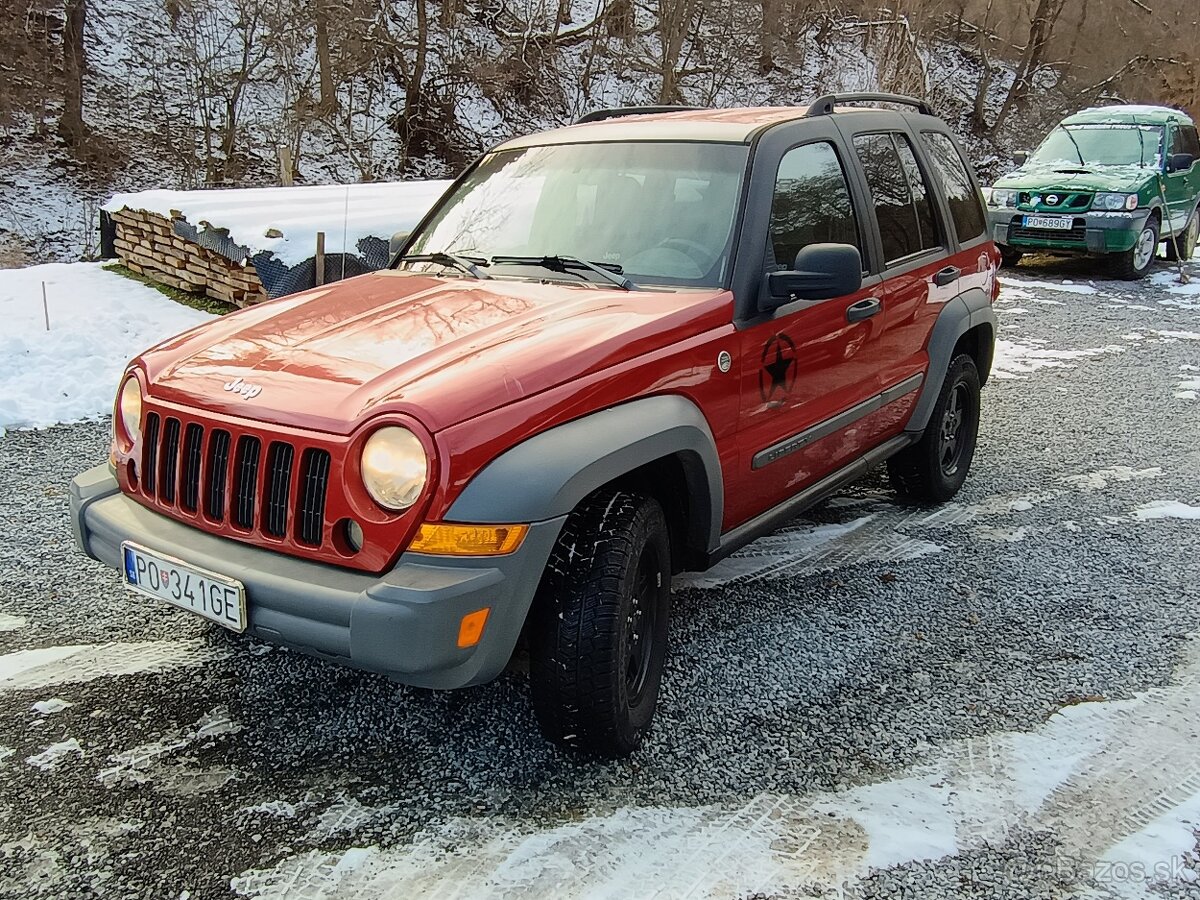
599, 625
1182, 246
935, 467
1009, 258
1135, 262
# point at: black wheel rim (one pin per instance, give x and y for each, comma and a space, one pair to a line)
952, 434
640, 622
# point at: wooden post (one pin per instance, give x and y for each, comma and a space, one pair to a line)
45, 306
320, 259
285, 165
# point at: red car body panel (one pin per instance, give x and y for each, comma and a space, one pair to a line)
438, 355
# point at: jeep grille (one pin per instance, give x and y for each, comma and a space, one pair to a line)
255, 492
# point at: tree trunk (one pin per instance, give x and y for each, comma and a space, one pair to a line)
674, 19
328, 104
1041, 28
71, 126
415, 86
768, 36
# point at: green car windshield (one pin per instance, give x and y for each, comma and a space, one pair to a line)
1101, 145
656, 212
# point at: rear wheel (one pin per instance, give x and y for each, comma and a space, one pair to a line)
935, 467
1009, 258
1183, 245
1135, 262
599, 625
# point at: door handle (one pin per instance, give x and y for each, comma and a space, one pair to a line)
947, 275
863, 309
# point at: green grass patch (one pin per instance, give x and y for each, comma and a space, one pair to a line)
202, 302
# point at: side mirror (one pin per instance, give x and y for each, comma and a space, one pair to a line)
1180, 162
397, 242
1020, 157
821, 271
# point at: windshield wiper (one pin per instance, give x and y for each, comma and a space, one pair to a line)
467, 264
1078, 152
610, 272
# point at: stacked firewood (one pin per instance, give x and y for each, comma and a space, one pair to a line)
147, 243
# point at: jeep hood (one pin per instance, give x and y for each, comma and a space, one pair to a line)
1066, 177
441, 349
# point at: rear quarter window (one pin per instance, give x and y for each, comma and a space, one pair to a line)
966, 206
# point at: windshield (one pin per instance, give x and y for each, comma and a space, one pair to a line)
657, 213
1101, 145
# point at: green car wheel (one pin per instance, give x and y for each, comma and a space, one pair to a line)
1136, 261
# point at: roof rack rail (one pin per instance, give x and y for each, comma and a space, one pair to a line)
599, 115
823, 106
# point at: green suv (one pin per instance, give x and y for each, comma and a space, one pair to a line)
1113, 181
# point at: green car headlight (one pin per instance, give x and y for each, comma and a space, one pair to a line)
1002, 197
1114, 202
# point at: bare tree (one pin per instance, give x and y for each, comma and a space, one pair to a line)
71, 126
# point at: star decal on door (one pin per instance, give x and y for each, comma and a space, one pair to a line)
778, 373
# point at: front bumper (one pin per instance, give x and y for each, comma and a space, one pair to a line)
403, 624
1094, 232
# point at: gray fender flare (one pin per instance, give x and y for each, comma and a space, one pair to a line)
548, 474
968, 310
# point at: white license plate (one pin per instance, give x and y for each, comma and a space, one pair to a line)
1056, 223
216, 597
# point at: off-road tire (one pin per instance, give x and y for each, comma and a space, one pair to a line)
608, 576
1125, 265
922, 471
1187, 239
1010, 258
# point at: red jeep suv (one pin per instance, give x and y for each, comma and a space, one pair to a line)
610, 353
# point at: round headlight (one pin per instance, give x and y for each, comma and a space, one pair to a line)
129, 408
394, 467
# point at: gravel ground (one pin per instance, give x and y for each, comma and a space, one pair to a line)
913, 654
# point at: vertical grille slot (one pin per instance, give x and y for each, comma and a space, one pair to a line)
245, 480
217, 467
314, 482
169, 464
189, 487
279, 479
150, 459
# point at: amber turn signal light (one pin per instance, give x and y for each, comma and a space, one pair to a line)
444, 539
470, 629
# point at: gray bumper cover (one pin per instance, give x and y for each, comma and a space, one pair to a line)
403, 624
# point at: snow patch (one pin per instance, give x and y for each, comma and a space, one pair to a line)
1016, 359
1101, 478
51, 706
1170, 281
1166, 509
145, 764
279, 808
11, 623
49, 758
347, 213
1067, 287
808, 547
98, 321
76, 664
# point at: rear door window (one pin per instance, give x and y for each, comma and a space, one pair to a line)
811, 204
966, 207
902, 197
1191, 143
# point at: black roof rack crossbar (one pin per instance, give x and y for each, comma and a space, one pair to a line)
599, 115
823, 106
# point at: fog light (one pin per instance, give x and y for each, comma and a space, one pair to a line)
444, 539
470, 629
